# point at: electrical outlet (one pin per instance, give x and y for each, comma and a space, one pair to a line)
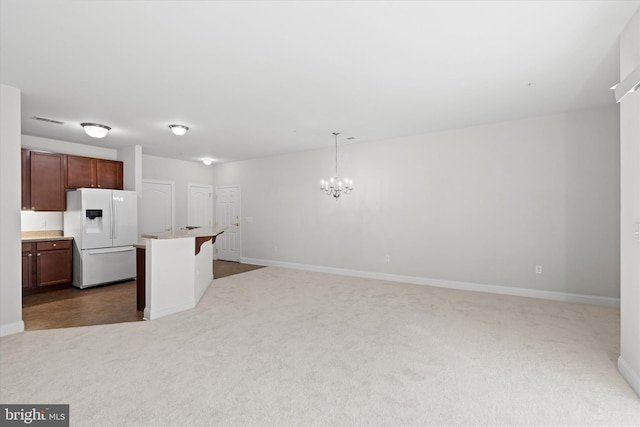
249, 219
538, 269
275, 249
43, 223
387, 258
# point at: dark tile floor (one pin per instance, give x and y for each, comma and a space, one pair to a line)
115, 303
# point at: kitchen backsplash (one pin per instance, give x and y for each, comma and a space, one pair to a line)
36, 221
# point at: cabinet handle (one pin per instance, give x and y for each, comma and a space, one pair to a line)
30, 255
33, 207
98, 185
38, 254
55, 244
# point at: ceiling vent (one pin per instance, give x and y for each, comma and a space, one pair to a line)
44, 119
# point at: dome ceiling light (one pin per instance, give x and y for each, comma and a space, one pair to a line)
95, 130
178, 130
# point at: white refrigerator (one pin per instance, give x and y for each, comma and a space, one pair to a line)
104, 227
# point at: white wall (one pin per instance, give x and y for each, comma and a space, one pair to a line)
182, 173
10, 252
131, 157
482, 205
629, 361
39, 221
64, 147
132, 174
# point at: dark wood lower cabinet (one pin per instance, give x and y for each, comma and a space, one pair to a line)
28, 267
141, 253
54, 263
46, 264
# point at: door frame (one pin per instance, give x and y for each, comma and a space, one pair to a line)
173, 200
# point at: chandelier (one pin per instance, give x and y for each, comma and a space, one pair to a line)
336, 186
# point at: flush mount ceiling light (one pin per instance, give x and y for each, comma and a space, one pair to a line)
178, 129
207, 161
95, 130
336, 186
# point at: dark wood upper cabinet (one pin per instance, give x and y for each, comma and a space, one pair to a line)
88, 172
47, 175
26, 181
109, 173
81, 172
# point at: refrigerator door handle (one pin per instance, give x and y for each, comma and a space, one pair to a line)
110, 250
114, 227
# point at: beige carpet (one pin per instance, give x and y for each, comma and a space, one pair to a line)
276, 347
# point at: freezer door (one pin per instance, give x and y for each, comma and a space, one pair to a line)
96, 217
125, 218
107, 265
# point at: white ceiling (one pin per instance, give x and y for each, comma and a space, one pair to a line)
254, 79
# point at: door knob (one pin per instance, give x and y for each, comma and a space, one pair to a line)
237, 224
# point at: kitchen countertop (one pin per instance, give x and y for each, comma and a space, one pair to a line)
43, 236
44, 239
196, 232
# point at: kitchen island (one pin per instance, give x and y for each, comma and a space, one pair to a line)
178, 269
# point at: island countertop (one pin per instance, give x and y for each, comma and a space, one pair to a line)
196, 232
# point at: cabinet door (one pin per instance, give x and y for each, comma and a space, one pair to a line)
54, 267
47, 181
26, 182
27, 269
109, 174
81, 172
27, 272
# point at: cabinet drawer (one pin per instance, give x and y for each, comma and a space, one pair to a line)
57, 244
27, 247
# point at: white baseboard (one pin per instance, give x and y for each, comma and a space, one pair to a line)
156, 314
440, 283
632, 377
12, 328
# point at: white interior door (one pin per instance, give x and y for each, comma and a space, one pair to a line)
158, 206
199, 205
228, 244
